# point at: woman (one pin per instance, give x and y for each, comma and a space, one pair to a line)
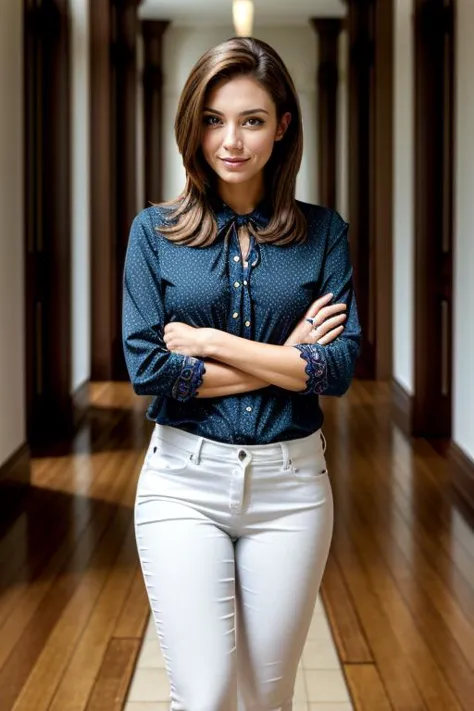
228, 323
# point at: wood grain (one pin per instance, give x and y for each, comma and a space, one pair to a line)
366, 688
111, 686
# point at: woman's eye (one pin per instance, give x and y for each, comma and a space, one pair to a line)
254, 122
211, 120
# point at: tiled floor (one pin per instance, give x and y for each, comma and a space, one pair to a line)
320, 684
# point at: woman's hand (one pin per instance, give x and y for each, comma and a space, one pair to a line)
326, 326
187, 340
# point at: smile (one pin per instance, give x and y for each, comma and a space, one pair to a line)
234, 162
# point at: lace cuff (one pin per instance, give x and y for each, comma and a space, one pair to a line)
316, 369
189, 380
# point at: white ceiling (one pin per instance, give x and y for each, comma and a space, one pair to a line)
219, 12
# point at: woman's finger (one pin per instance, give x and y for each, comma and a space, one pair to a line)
317, 305
328, 311
331, 336
330, 323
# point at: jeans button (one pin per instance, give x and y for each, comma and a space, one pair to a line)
241, 455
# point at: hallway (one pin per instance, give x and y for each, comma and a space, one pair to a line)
89, 91
398, 589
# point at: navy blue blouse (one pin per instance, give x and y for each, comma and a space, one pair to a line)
263, 301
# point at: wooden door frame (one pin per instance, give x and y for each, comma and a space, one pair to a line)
370, 29
114, 29
433, 208
328, 31
152, 32
47, 219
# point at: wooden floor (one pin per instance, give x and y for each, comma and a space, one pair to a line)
398, 588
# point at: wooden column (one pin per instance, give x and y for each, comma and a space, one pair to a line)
361, 59
124, 66
328, 34
101, 153
382, 107
370, 27
433, 146
48, 220
153, 31
114, 28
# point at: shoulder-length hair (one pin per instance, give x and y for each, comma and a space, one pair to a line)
191, 219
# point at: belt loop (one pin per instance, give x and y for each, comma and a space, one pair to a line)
286, 456
323, 439
196, 455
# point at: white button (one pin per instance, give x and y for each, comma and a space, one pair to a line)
236, 259
247, 323
236, 284
245, 282
235, 314
249, 409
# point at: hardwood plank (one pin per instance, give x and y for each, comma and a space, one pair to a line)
408, 524
396, 673
366, 688
111, 687
83, 668
389, 495
348, 634
37, 610
429, 678
29, 560
136, 611
42, 681
423, 555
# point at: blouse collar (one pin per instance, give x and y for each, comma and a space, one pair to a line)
259, 217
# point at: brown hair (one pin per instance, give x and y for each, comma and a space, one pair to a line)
192, 219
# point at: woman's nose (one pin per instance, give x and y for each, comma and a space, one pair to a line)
232, 140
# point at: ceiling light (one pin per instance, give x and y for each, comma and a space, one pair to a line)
242, 13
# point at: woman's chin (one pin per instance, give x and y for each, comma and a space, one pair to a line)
234, 178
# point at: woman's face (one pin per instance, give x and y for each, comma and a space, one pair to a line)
240, 128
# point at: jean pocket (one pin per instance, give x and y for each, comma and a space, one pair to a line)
309, 467
166, 457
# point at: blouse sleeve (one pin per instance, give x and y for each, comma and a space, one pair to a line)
330, 368
153, 369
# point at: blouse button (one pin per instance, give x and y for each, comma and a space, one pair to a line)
245, 282
235, 314
249, 409
236, 259
236, 284
247, 323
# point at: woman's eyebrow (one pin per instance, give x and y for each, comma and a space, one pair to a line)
242, 113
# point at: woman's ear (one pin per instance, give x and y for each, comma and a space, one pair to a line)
283, 125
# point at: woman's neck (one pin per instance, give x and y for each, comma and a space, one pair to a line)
243, 198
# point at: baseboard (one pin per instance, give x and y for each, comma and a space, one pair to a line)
463, 473
80, 403
14, 476
402, 408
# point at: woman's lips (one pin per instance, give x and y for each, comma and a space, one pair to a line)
234, 163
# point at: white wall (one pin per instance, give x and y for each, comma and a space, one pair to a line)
12, 365
463, 426
80, 317
403, 229
298, 48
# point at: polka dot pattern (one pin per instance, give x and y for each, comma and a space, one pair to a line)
261, 298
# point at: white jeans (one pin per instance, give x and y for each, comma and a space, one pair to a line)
233, 541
